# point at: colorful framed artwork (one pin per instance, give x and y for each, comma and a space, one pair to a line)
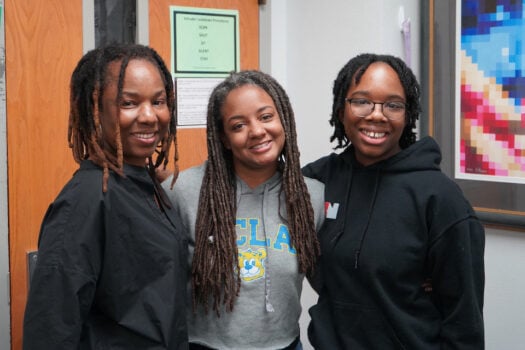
490, 87
478, 112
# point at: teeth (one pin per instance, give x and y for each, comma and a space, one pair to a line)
261, 145
374, 135
145, 136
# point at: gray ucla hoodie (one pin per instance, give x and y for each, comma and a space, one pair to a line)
266, 313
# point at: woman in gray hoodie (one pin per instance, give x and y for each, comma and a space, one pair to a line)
252, 218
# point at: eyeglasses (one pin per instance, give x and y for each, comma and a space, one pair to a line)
361, 107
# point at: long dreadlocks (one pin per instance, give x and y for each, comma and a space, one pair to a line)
215, 269
352, 72
87, 85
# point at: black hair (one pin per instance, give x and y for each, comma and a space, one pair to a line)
352, 73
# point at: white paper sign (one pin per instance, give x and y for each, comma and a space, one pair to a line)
192, 100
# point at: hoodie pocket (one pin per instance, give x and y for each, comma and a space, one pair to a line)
358, 326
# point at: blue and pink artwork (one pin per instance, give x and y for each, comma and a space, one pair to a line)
490, 101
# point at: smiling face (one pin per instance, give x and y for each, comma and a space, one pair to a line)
253, 132
375, 137
143, 113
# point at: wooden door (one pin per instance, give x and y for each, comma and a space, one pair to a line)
43, 45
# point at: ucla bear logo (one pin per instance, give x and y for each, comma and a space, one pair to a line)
251, 264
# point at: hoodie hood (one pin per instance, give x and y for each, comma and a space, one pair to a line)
271, 185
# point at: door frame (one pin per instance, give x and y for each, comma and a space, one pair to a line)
5, 302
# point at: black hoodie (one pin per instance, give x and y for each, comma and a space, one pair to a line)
389, 228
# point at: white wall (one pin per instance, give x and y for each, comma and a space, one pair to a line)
304, 43
504, 289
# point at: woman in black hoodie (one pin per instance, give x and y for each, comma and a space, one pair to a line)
393, 223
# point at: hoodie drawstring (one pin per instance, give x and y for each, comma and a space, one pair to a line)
357, 253
267, 282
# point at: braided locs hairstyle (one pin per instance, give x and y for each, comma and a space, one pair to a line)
352, 72
215, 271
87, 85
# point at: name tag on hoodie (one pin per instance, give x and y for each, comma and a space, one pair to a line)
330, 210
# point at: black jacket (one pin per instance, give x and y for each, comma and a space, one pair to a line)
111, 270
390, 227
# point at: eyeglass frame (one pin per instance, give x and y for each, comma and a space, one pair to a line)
349, 100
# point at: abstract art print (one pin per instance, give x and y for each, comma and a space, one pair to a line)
490, 91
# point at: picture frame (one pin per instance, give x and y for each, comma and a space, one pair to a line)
205, 42
498, 201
